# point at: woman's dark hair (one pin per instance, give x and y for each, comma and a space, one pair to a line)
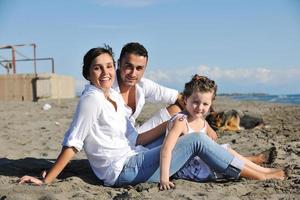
133, 48
200, 84
91, 55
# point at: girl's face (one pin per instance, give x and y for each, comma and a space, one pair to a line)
102, 72
198, 104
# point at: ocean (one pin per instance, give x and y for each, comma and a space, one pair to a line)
284, 99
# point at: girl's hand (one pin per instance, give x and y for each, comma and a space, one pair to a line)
30, 179
213, 135
166, 185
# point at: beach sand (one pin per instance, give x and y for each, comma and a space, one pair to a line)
31, 140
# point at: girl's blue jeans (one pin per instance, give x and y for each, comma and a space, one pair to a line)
145, 166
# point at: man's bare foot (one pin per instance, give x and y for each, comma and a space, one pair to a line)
265, 157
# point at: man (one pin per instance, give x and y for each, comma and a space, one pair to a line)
136, 90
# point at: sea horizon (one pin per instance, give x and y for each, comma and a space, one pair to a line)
265, 97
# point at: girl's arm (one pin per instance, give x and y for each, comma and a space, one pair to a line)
210, 132
166, 152
63, 159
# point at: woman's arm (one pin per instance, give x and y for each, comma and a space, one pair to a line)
166, 152
87, 112
149, 136
64, 157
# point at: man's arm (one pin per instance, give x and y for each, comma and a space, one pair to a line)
158, 93
173, 109
178, 106
180, 101
149, 136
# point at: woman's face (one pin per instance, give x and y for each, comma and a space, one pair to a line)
102, 72
198, 104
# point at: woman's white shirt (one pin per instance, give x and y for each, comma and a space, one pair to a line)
106, 135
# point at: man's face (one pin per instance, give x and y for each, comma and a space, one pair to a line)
132, 68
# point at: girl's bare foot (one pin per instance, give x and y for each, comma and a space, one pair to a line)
272, 170
279, 174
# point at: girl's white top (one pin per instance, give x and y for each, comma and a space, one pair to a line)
184, 116
106, 135
195, 169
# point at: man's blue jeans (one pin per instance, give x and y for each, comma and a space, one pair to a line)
145, 166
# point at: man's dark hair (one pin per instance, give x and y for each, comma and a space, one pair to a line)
133, 48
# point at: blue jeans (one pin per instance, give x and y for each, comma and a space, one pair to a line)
156, 142
145, 166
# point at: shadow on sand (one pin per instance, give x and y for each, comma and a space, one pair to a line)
34, 167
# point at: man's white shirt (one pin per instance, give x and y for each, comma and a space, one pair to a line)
147, 90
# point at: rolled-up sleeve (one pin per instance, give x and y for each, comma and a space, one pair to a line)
131, 133
157, 93
84, 117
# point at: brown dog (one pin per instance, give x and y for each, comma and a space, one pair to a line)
224, 121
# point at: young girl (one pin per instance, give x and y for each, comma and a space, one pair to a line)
198, 96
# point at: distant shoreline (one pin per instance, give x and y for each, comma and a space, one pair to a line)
293, 99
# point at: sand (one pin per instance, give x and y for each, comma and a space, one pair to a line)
31, 140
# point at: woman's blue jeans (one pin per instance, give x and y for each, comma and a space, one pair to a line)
145, 166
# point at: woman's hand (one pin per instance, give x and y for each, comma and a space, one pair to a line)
166, 185
31, 179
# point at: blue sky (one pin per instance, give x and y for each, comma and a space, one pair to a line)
245, 45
